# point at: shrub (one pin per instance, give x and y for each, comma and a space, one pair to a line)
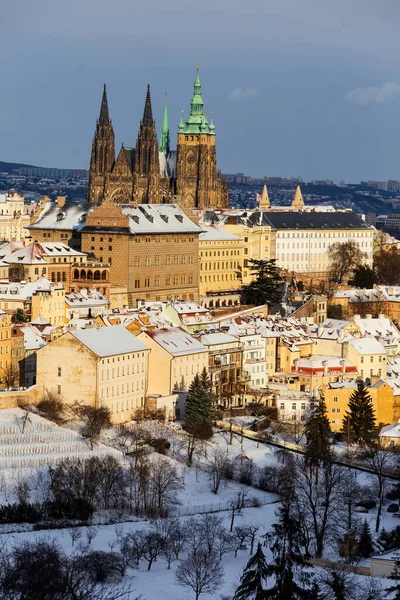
392, 508
160, 445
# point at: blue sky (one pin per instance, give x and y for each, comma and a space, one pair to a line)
297, 87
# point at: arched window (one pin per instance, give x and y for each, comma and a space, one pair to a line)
104, 275
83, 274
76, 274
97, 275
64, 276
90, 274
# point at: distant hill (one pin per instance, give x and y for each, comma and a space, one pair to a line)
6, 167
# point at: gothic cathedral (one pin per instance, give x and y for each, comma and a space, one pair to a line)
148, 174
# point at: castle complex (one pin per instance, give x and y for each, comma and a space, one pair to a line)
155, 174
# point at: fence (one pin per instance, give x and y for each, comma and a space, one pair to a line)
213, 507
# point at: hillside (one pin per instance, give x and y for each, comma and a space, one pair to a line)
8, 167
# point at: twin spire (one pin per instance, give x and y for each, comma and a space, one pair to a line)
196, 122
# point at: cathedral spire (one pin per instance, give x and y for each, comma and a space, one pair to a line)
104, 117
148, 111
164, 140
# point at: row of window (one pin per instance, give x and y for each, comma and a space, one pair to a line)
125, 388
175, 280
158, 238
111, 373
223, 253
126, 405
210, 278
217, 266
291, 234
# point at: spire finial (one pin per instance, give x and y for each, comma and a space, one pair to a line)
148, 112
104, 117
198, 65
164, 138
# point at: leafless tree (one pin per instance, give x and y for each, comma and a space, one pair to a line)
201, 572
344, 257
75, 534
241, 534
350, 495
165, 481
317, 495
251, 531
94, 420
223, 543
194, 447
379, 461
22, 491
211, 528
236, 503
91, 533
152, 547
216, 468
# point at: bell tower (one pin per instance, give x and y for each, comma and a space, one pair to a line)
198, 182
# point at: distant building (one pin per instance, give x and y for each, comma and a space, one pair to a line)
14, 217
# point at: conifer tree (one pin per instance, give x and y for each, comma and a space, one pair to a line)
317, 432
199, 410
395, 575
359, 422
254, 576
292, 582
365, 546
267, 287
315, 592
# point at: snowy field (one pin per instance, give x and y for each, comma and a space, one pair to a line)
39, 443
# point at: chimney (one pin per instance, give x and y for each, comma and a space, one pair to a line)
325, 365
343, 365
368, 316
61, 200
381, 316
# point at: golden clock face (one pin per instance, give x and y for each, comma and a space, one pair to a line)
191, 159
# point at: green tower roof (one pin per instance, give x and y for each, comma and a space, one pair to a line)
196, 122
164, 138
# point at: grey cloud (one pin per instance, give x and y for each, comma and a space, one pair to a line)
374, 95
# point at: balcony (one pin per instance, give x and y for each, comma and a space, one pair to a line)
224, 367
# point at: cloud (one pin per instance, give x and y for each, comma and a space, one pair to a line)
375, 95
243, 93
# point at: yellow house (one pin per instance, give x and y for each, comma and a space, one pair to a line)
5, 340
221, 260
105, 366
369, 356
258, 240
337, 401
175, 358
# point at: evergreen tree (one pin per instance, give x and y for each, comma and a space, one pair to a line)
359, 422
291, 579
254, 576
199, 410
365, 546
317, 432
363, 277
315, 592
267, 287
396, 576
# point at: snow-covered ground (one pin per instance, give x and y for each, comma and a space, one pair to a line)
42, 439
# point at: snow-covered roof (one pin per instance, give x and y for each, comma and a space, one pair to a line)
186, 308
34, 253
70, 217
159, 218
381, 327
215, 339
317, 364
109, 341
176, 341
33, 339
78, 299
24, 291
217, 234
392, 431
367, 345
40, 321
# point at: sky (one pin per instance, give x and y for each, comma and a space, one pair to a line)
306, 88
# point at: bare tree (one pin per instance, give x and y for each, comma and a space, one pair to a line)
194, 447
211, 528
236, 504
223, 543
152, 547
350, 493
216, 468
22, 491
345, 257
251, 531
379, 461
75, 534
94, 420
91, 533
165, 481
201, 572
241, 534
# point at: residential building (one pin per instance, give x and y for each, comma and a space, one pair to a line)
385, 401
58, 221
5, 346
175, 358
36, 298
33, 341
225, 367
316, 371
85, 304
369, 356
254, 363
221, 265
14, 217
105, 366
190, 316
